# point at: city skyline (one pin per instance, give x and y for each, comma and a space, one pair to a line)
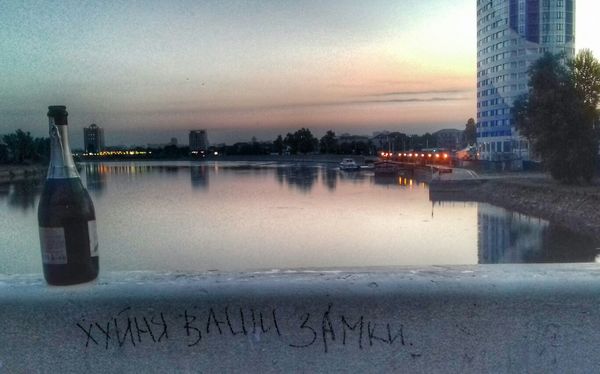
240, 69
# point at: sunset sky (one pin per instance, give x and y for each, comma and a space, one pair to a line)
147, 71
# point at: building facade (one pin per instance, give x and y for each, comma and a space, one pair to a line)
511, 36
93, 138
451, 139
198, 141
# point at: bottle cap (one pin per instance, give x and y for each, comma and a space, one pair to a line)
59, 113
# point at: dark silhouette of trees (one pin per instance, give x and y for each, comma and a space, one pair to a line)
329, 143
20, 147
278, 145
302, 141
470, 132
557, 117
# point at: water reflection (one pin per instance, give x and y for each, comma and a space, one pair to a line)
95, 177
199, 177
330, 178
22, 194
301, 177
392, 225
508, 237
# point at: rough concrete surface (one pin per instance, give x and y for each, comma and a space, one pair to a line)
487, 318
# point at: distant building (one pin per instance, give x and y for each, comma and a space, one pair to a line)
93, 138
173, 141
511, 35
449, 138
198, 141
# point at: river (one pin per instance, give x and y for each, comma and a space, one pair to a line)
233, 216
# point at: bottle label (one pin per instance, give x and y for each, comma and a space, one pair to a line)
53, 244
93, 238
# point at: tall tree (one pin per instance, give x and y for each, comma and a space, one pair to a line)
553, 116
306, 141
470, 132
329, 143
278, 144
291, 142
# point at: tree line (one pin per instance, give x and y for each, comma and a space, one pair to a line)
303, 141
21, 148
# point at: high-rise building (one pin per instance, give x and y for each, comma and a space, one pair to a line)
511, 36
198, 141
93, 138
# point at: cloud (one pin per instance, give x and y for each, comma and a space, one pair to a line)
423, 92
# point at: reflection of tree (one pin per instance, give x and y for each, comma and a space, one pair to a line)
506, 237
95, 177
299, 176
562, 245
199, 177
23, 193
329, 178
4, 190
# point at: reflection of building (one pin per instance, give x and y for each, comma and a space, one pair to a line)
449, 139
506, 237
199, 177
511, 35
198, 141
95, 177
93, 138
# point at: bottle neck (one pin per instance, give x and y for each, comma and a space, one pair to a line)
61, 160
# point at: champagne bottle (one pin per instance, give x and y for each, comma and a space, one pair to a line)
66, 216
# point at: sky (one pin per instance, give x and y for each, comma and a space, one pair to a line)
147, 71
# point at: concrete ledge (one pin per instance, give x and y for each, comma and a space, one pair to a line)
488, 318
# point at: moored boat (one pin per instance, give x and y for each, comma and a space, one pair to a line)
349, 164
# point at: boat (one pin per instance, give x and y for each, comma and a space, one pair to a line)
349, 164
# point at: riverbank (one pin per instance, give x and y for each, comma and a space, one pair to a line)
13, 173
574, 207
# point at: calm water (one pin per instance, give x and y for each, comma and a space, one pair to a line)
235, 216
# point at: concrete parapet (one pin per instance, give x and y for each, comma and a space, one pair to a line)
488, 318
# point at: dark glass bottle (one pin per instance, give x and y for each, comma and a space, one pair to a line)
66, 216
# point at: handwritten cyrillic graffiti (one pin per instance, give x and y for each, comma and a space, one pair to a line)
195, 326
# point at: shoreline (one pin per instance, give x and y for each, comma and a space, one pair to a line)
574, 207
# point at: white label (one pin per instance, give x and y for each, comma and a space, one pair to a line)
54, 247
93, 238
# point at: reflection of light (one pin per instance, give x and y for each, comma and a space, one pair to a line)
410, 182
437, 155
445, 155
